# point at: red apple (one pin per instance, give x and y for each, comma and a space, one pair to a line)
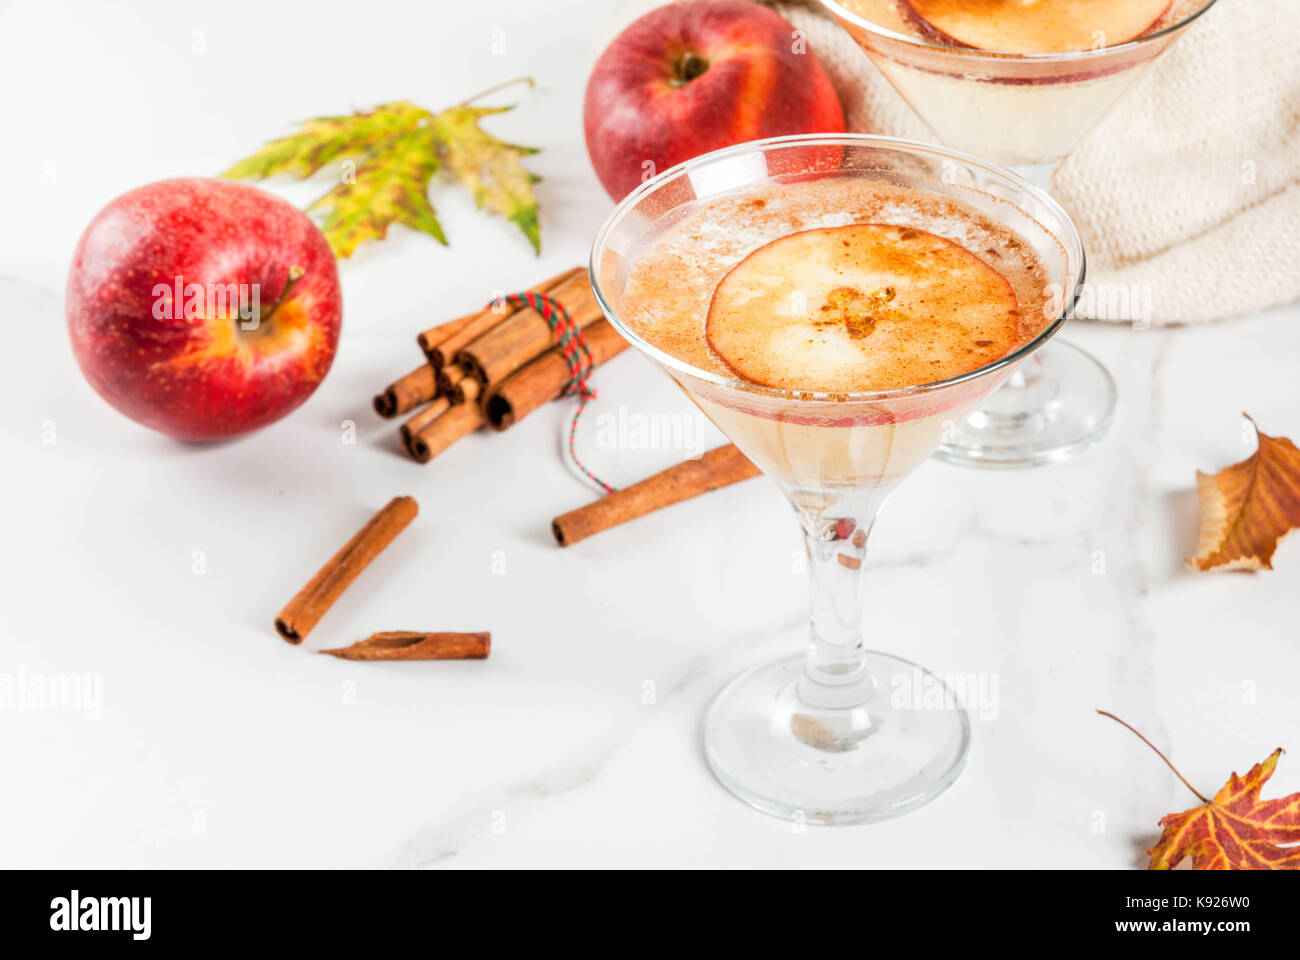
1034, 26
693, 77
203, 308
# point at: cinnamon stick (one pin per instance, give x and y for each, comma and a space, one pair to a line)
459, 421
719, 467
525, 334
465, 391
440, 351
448, 377
425, 416
311, 602
441, 333
412, 645
404, 395
542, 380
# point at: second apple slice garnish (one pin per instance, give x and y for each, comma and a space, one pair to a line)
1036, 26
862, 307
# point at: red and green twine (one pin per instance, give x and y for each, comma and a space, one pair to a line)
574, 348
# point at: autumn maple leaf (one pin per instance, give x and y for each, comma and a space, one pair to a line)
388, 187
388, 157
1234, 831
489, 167
1247, 508
325, 139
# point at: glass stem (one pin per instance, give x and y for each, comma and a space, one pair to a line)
1039, 174
1026, 375
835, 672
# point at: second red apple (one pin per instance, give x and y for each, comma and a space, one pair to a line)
693, 77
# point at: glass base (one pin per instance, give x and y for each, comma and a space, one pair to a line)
859, 756
1059, 404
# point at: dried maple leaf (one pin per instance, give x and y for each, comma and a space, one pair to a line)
395, 150
1234, 831
1247, 509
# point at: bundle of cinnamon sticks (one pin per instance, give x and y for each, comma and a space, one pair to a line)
494, 366
499, 364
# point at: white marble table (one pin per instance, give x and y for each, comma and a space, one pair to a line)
158, 568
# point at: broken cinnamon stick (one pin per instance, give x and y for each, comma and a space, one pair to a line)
311, 602
525, 334
412, 645
719, 467
542, 380
423, 417
440, 351
404, 395
459, 421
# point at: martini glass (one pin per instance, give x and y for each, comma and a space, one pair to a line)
1026, 111
836, 734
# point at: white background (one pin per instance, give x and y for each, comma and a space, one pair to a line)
219, 744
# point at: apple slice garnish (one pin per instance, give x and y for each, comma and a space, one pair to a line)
1035, 26
863, 307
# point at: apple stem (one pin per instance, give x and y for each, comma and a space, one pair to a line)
295, 274
499, 86
1200, 796
688, 66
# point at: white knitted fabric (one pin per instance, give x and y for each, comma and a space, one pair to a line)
1190, 189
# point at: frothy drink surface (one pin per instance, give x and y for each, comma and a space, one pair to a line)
775, 285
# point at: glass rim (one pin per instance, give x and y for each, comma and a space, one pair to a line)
838, 396
1062, 56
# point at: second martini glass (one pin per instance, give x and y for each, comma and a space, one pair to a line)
1026, 111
